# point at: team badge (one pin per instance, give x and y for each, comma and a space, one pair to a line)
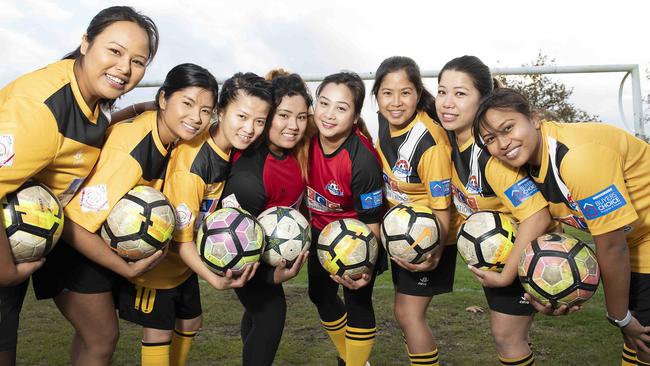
6, 150
472, 185
183, 216
94, 198
333, 188
402, 169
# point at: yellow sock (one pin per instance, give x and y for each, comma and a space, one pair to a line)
336, 331
428, 359
523, 361
155, 354
180, 349
641, 363
358, 344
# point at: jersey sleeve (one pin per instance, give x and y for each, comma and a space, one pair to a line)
28, 141
245, 182
516, 190
434, 170
599, 191
185, 192
366, 188
115, 174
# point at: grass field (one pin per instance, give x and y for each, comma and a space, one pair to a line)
583, 338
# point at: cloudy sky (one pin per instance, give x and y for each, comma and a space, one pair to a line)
321, 37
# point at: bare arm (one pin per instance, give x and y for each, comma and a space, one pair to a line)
529, 229
94, 248
13, 274
190, 256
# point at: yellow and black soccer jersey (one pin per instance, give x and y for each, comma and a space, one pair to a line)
480, 182
415, 163
48, 132
596, 177
132, 155
195, 179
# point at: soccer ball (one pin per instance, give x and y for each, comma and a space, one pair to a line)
33, 219
347, 247
559, 269
287, 233
410, 232
485, 240
139, 224
229, 238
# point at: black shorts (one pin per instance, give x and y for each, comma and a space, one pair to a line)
66, 268
11, 302
640, 297
508, 300
436, 282
159, 309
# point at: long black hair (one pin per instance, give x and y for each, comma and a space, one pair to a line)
184, 76
426, 101
114, 14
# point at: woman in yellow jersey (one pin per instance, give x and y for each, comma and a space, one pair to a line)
195, 180
595, 178
135, 153
415, 156
52, 126
482, 183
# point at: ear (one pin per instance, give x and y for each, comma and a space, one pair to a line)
535, 120
162, 102
83, 48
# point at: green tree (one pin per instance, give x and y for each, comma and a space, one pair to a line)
550, 97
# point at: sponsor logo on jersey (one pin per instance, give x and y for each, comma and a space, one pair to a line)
575, 221
6, 150
333, 188
371, 200
402, 169
94, 198
440, 188
184, 216
465, 205
69, 192
423, 281
523, 301
318, 202
392, 191
602, 203
521, 191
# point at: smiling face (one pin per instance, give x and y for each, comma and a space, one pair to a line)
242, 122
397, 99
185, 114
289, 123
334, 113
114, 63
511, 137
457, 102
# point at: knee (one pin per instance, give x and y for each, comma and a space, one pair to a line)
190, 325
407, 317
101, 341
505, 338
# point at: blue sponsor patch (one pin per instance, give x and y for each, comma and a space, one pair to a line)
371, 200
602, 203
440, 188
521, 191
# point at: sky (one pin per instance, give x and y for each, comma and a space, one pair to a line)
322, 37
